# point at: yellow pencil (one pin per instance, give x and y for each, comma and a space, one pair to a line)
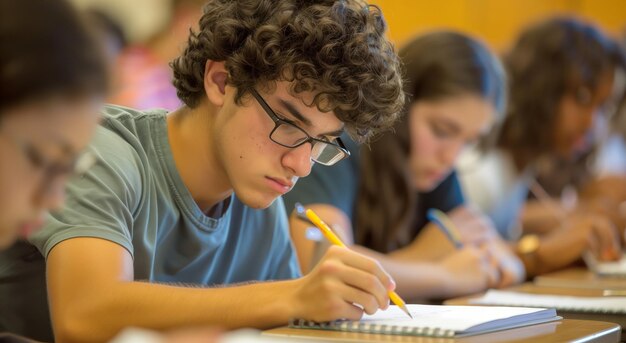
330, 235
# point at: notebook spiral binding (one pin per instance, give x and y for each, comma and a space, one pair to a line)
355, 326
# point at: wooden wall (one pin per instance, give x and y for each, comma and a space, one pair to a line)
496, 21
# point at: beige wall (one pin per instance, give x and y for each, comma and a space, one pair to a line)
495, 21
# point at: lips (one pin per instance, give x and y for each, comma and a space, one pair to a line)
282, 186
434, 175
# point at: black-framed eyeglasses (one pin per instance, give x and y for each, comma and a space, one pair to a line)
52, 170
289, 135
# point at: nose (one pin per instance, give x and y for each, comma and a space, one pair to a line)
298, 160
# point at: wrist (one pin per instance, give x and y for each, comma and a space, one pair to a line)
291, 303
447, 284
527, 250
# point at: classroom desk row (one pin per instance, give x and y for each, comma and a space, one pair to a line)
570, 282
576, 326
565, 330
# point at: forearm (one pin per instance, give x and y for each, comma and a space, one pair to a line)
429, 246
414, 280
103, 313
417, 252
538, 218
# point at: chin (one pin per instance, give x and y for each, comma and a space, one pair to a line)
257, 201
426, 187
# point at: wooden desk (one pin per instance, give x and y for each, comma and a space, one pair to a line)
565, 330
575, 282
580, 278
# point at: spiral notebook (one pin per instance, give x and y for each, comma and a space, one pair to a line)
606, 305
437, 320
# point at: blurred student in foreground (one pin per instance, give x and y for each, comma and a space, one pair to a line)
53, 79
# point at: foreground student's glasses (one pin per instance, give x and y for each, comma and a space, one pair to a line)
52, 170
289, 135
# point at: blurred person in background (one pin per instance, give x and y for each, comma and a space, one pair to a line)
379, 197
109, 33
561, 75
143, 79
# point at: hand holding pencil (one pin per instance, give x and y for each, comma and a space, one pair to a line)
366, 264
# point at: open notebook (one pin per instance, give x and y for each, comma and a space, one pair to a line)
609, 305
438, 320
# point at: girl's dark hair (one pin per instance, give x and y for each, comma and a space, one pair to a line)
46, 50
436, 66
549, 60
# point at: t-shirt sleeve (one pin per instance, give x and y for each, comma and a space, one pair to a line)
285, 264
100, 202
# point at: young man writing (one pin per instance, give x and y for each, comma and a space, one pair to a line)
189, 198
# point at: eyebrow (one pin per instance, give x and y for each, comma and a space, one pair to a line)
294, 111
67, 150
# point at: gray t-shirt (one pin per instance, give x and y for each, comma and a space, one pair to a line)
135, 197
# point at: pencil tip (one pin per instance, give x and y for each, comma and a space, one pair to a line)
406, 310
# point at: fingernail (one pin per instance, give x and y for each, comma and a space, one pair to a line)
392, 284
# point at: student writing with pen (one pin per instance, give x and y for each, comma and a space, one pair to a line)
377, 201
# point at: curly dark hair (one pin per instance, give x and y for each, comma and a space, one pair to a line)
336, 49
45, 50
436, 66
550, 59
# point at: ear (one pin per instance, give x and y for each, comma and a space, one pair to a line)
215, 76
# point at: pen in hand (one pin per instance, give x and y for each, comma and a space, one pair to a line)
334, 239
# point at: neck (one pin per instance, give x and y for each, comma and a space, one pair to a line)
195, 157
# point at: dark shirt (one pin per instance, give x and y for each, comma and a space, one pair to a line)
338, 185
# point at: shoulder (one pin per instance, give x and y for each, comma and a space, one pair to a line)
123, 139
128, 120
